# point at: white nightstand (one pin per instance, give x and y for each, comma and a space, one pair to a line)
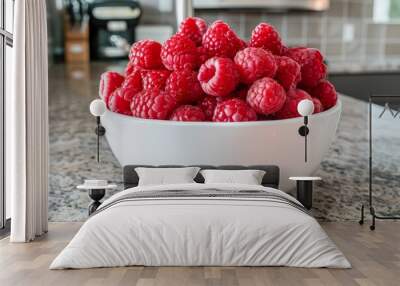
305, 189
96, 190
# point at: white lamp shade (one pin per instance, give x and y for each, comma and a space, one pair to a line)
305, 107
97, 107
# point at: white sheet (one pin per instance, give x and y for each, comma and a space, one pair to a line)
171, 232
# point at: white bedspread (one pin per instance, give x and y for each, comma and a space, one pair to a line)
200, 231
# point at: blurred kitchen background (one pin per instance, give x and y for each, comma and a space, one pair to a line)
360, 40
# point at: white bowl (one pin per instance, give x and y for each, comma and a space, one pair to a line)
161, 142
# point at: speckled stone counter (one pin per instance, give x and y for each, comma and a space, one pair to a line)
73, 149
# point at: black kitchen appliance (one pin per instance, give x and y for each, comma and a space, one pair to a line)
110, 20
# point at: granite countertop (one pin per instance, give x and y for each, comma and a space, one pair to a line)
73, 148
335, 69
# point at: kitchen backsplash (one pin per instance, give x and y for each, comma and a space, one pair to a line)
346, 33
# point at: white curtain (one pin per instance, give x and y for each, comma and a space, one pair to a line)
27, 123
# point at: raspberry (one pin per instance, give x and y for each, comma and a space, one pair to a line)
254, 63
152, 104
179, 52
326, 93
155, 79
266, 96
312, 65
203, 56
243, 44
130, 68
184, 86
317, 105
146, 54
218, 76
265, 36
193, 28
109, 81
118, 104
188, 113
289, 109
220, 40
208, 104
288, 73
303, 55
234, 110
132, 85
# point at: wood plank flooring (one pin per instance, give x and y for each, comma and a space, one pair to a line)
375, 257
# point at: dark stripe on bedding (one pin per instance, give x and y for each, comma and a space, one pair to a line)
205, 194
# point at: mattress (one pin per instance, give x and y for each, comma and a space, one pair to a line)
201, 225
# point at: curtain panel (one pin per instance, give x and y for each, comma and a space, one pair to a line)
27, 123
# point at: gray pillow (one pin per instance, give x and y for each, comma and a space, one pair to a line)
248, 177
166, 176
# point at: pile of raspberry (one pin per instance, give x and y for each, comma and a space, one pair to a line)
207, 73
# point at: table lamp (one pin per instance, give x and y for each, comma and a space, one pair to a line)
97, 109
305, 108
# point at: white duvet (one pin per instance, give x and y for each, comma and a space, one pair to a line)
199, 231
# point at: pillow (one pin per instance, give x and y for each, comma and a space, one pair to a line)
165, 176
248, 177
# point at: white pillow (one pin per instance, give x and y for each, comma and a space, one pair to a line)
165, 176
248, 177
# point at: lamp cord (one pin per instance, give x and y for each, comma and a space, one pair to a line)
305, 137
98, 147
305, 146
98, 139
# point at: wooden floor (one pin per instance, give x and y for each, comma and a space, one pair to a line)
375, 257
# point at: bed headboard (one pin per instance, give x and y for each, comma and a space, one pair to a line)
271, 177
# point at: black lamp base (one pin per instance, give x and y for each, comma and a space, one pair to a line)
100, 130
304, 131
304, 193
96, 195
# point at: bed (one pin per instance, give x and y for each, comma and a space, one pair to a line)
198, 224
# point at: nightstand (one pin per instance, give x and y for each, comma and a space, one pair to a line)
96, 190
305, 189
